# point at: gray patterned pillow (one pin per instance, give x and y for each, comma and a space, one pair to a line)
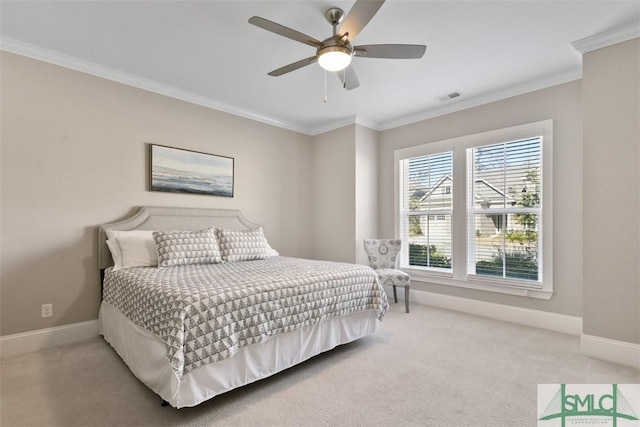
242, 245
187, 247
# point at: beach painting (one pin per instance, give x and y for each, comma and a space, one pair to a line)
183, 171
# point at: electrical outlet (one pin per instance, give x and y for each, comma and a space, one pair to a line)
46, 310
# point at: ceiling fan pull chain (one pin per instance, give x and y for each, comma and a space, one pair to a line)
344, 78
325, 86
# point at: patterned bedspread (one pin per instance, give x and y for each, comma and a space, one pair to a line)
206, 313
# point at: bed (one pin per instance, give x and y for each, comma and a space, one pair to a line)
204, 321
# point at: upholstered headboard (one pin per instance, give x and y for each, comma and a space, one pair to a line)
170, 218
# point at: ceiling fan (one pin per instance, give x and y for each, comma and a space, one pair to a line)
335, 53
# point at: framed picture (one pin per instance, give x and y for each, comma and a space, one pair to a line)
183, 171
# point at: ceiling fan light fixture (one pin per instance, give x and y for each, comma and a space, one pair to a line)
334, 58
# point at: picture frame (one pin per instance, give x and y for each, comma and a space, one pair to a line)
178, 170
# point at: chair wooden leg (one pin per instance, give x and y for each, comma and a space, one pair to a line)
406, 298
395, 295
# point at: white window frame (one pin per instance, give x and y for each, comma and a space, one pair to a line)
460, 219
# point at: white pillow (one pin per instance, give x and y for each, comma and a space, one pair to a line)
114, 248
270, 251
136, 248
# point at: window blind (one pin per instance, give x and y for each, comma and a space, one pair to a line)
426, 210
504, 209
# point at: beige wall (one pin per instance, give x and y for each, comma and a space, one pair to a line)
611, 117
366, 175
73, 156
334, 192
345, 193
562, 104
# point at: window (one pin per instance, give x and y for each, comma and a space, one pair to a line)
426, 210
476, 211
504, 208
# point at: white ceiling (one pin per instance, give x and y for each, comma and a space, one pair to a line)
206, 52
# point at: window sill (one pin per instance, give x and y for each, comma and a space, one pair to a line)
483, 284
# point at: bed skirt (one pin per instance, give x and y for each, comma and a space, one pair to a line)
145, 355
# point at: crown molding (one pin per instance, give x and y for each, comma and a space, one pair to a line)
55, 58
35, 52
363, 121
333, 125
463, 104
66, 61
354, 119
607, 38
521, 89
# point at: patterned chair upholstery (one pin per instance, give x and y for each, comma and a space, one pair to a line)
383, 258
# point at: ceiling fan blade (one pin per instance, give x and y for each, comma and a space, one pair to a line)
284, 31
294, 66
358, 17
348, 78
391, 51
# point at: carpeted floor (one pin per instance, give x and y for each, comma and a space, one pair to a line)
432, 367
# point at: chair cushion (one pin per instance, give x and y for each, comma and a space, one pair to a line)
392, 277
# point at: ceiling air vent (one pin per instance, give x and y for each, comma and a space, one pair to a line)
448, 96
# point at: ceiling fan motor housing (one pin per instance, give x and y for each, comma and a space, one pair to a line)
334, 16
335, 44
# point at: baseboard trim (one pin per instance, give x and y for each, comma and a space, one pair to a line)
621, 352
29, 342
524, 316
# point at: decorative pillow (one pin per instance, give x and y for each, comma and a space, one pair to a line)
187, 247
242, 245
133, 248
